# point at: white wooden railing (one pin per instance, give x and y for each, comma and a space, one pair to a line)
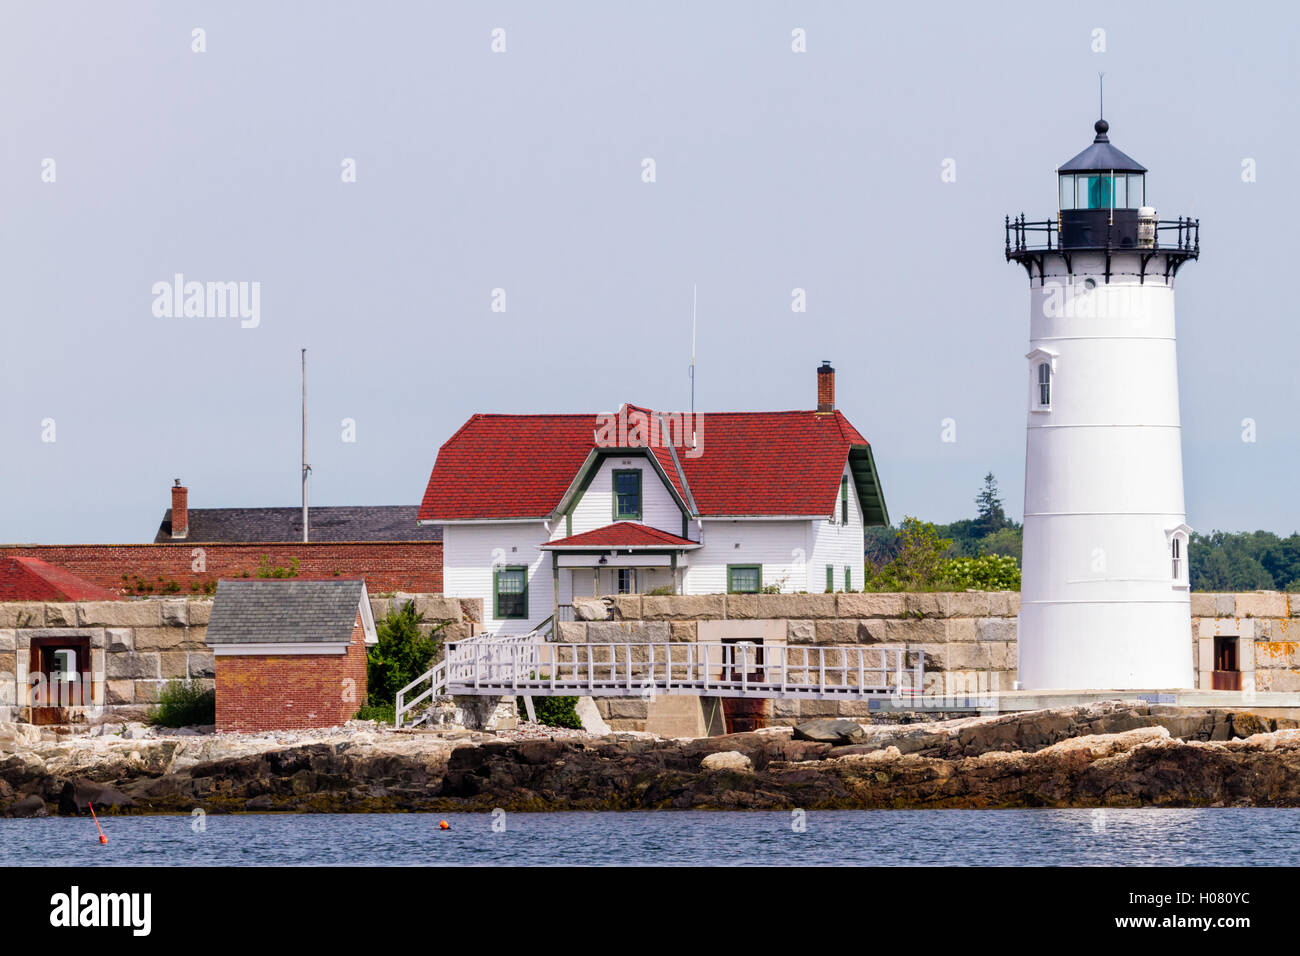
526, 665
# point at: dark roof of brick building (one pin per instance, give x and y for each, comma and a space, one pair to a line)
284, 612
332, 524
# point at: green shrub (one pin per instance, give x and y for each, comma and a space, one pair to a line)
988, 572
183, 703
384, 713
553, 711
402, 654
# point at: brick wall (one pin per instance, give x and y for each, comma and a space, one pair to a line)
291, 692
186, 567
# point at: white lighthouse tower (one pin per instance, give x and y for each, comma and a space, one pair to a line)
1104, 598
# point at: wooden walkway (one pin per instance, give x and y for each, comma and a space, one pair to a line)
530, 666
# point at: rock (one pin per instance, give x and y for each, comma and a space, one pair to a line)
135, 731
828, 731
728, 760
76, 796
29, 806
19, 736
262, 802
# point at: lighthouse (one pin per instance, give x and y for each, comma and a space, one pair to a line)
1105, 600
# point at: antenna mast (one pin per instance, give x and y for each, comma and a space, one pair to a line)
306, 468
694, 290
1101, 96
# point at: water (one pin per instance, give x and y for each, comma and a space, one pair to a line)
1140, 837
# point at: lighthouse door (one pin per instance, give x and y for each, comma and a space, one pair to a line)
1226, 676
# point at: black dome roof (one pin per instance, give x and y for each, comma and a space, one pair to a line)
1102, 157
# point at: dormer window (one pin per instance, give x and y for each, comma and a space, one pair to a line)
627, 494
1042, 374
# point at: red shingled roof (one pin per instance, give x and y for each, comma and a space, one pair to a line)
751, 463
31, 579
622, 534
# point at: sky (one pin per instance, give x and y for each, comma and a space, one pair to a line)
379, 171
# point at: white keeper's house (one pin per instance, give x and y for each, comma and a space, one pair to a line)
539, 509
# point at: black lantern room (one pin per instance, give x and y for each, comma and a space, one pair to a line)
1102, 196
1101, 191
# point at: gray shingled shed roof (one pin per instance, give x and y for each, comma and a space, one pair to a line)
286, 612
328, 523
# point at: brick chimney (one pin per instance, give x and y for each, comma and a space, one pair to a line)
180, 510
826, 387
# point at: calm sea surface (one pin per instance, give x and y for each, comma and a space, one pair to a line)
868, 838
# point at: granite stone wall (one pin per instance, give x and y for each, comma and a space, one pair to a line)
138, 646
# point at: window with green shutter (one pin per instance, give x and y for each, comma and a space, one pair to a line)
848, 578
510, 586
744, 578
830, 578
844, 500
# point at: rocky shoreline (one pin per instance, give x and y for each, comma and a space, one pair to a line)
1103, 755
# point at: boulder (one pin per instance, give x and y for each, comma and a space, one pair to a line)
76, 796
29, 806
728, 760
828, 731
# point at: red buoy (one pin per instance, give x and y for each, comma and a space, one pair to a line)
102, 838
444, 825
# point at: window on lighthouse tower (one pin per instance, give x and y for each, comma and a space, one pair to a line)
1044, 385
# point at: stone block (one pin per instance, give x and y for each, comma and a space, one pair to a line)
158, 638
22, 614
870, 631
176, 612
825, 632
459, 631
1225, 605
925, 604
590, 609
962, 629
1004, 603
119, 692
61, 614
972, 656
870, 605
800, 632
995, 629
743, 606
136, 666
8, 689
8, 639
201, 665
146, 613
379, 608
146, 691
199, 612
1203, 604
628, 708
627, 607
435, 607
1263, 604
913, 631
683, 631
797, 605
695, 607
571, 632
936, 655
173, 665
968, 604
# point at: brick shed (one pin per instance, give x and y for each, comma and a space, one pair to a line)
289, 654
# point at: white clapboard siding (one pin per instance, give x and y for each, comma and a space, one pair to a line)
839, 545
596, 507
471, 551
780, 546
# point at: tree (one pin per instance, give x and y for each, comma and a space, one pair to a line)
992, 515
406, 649
917, 561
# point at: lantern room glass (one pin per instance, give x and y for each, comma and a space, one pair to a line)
1102, 190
